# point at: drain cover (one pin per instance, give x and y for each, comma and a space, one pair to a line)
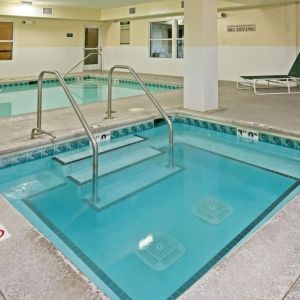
212, 211
159, 251
136, 109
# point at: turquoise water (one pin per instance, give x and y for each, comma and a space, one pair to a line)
22, 101
159, 229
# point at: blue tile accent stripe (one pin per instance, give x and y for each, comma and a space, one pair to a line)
132, 129
262, 136
90, 264
8, 86
19, 158
220, 255
206, 124
14, 159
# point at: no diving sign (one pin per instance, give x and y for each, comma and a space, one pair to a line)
4, 234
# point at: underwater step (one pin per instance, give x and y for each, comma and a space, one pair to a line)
32, 185
119, 185
134, 156
76, 155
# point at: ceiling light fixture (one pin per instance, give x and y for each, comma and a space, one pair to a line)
26, 3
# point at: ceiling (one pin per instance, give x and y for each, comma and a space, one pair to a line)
117, 3
263, 2
88, 3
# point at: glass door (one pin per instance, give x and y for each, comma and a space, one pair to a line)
92, 45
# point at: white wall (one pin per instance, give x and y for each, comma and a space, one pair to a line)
138, 58
31, 61
238, 60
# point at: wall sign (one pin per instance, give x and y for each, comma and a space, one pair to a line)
247, 134
103, 137
241, 28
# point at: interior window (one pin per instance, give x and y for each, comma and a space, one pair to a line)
6, 40
161, 39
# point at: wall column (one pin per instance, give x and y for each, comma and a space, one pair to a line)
201, 55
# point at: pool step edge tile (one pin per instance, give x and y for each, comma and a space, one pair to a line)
84, 175
110, 194
77, 155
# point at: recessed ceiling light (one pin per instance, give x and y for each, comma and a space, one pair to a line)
26, 3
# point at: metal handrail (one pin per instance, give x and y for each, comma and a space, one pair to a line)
90, 54
38, 130
150, 96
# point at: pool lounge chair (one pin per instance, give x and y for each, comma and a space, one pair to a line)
285, 81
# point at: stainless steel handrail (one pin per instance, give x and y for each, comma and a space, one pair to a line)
150, 96
38, 130
90, 54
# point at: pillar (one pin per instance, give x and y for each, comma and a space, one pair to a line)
201, 55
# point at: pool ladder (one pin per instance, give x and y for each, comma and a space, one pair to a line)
152, 99
99, 53
38, 130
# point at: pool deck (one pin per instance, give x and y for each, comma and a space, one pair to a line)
267, 266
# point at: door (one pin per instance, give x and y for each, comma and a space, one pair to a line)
92, 44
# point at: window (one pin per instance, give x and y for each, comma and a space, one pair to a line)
125, 33
180, 38
6, 40
167, 38
161, 34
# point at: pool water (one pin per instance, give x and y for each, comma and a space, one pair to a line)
22, 101
159, 229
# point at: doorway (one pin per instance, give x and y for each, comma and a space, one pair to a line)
92, 44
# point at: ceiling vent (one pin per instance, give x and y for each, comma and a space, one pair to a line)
48, 11
132, 10
182, 4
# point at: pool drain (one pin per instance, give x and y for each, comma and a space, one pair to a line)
212, 211
159, 251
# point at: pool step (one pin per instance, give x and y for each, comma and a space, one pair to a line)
119, 185
114, 163
32, 185
77, 155
73, 161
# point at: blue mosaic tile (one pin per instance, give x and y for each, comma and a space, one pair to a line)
5, 162
49, 151
263, 137
275, 140
297, 145
60, 148
134, 129
212, 126
115, 134
19, 159
34, 155
83, 142
125, 131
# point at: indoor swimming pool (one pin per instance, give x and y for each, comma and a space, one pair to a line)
158, 229
21, 98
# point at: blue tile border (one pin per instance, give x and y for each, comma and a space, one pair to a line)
264, 137
87, 260
9, 86
206, 124
14, 159
7, 161
223, 252
132, 129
